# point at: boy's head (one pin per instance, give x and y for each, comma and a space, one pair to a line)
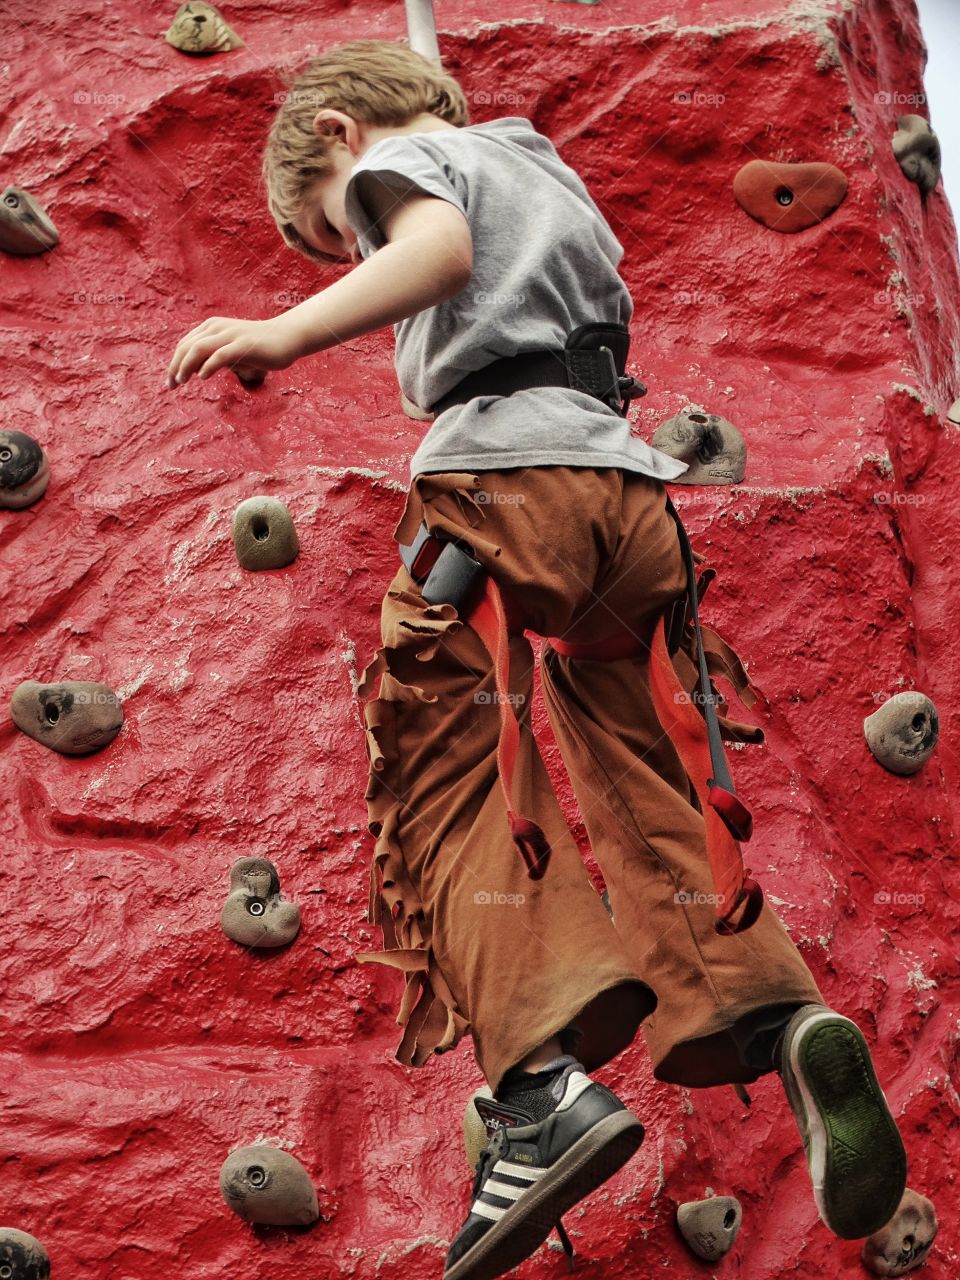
311, 147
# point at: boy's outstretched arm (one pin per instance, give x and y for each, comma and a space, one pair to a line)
428, 259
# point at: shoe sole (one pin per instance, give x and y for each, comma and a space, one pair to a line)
856, 1157
591, 1160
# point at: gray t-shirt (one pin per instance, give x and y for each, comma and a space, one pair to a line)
544, 261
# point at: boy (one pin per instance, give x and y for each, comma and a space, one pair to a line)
482, 248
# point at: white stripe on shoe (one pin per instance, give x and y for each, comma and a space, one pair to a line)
529, 1171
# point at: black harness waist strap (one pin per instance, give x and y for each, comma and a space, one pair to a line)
593, 361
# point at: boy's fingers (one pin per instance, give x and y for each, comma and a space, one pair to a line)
232, 353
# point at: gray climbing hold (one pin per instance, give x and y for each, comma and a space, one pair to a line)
476, 1135
709, 1227
21, 1256
25, 228
263, 534
265, 1185
73, 717
605, 899
953, 413
254, 914
413, 411
24, 470
712, 447
903, 732
199, 28
917, 149
905, 1242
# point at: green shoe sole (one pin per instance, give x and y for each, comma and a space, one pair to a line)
855, 1154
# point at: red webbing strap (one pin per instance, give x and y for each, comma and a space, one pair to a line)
488, 618
687, 729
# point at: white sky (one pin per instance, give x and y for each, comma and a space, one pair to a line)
940, 23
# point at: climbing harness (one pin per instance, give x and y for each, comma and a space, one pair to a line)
446, 571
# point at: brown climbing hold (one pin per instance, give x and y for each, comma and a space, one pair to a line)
709, 1227
268, 1186
25, 228
712, 447
905, 1242
903, 732
476, 1135
24, 470
73, 717
21, 1256
198, 28
263, 534
917, 149
254, 914
789, 197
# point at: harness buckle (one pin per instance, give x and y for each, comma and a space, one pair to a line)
443, 568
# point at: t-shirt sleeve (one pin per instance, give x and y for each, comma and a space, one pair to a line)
404, 167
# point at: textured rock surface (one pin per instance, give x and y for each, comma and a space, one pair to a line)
139, 1044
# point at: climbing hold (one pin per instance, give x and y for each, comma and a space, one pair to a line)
197, 27
25, 228
265, 1185
713, 448
789, 197
73, 717
24, 470
21, 1256
413, 411
476, 1135
917, 149
709, 1227
254, 914
903, 732
953, 413
905, 1241
263, 534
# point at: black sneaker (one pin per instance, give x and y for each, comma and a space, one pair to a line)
854, 1151
532, 1172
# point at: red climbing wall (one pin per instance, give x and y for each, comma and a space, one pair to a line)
139, 1045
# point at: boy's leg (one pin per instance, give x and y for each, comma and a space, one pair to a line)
715, 992
731, 1007
483, 947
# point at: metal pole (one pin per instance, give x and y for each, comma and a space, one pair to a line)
422, 29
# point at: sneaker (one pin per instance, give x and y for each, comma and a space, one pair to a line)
854, 1150
533, 1171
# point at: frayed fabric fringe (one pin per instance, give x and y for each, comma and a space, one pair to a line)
428, 1012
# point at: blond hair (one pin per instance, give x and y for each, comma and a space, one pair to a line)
374, 81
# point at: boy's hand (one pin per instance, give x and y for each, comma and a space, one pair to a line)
249, 347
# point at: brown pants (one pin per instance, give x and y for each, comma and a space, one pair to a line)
485, 948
